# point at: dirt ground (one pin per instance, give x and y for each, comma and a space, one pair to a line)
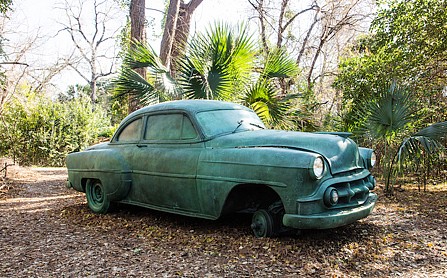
47, 230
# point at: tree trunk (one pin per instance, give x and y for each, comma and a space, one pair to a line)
182, 32
280, 23
259, 7
176, 32
137, 33
93, 96
169, 32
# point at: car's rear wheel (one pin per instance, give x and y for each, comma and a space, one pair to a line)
262, 223
97, 199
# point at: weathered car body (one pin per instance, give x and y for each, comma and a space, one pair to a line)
208, 158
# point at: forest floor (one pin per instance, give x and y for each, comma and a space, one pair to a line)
46, 230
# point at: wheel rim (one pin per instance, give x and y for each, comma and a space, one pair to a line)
97, 198
262, 224
97, 193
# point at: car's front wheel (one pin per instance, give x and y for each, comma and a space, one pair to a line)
262, 223
97, 199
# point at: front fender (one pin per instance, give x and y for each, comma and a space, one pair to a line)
284, 170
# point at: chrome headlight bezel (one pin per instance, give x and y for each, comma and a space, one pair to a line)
369, 157
318, 168
373, 159
331, 197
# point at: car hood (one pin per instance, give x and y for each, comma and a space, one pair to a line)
340, 152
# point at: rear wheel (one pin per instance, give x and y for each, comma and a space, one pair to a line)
97, 199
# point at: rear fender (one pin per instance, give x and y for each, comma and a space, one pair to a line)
104, 165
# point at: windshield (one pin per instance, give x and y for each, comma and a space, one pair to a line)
218, 122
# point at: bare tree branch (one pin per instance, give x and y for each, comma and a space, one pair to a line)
89, 41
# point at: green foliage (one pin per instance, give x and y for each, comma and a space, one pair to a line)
386, 120
160, 86
389, 115
219, 64
75, 91
407, 44
36, 130
5, 6
261, 97
279, 64
116, 108
422, 149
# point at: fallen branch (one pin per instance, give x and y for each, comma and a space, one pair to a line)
6, 169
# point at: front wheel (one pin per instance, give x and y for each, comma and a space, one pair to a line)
97, 199
262, 223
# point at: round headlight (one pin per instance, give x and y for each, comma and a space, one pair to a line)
373, 159
331, 197
318, 167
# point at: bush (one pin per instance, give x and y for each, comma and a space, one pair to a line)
36, 130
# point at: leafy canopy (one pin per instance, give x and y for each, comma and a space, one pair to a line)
219, 64
407, 44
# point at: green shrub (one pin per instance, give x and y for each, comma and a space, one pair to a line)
36, 130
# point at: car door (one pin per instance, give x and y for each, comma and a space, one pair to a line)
165, 165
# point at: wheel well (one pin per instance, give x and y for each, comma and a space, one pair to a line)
84, 183
249, 198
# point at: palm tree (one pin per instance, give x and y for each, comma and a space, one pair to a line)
386, 118
217, 64
220, 64
159, 85
422, 146
264, 97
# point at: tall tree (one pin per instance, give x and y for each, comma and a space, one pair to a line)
321, 22
20, 67
137, 34
176, 31
92, 43
167, 40
315, 32
407, 44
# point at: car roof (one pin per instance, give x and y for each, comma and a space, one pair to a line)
192, 106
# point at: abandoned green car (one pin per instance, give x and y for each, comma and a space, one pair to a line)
207, 159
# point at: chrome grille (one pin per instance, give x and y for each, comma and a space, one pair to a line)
353, 193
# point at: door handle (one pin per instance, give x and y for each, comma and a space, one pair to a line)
141, 145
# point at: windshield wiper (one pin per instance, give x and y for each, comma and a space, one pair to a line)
256, 125
238, 125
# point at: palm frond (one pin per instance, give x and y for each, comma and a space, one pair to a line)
200, 82
262, 97
279, 64
436, 131
216, 61
427, 140
159, 86
142, 55
130, 82
389, 114
191, 80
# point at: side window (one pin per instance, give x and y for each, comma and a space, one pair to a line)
188, 131
169, 127
131, 132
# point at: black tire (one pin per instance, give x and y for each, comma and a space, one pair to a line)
262, 224
97, 199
